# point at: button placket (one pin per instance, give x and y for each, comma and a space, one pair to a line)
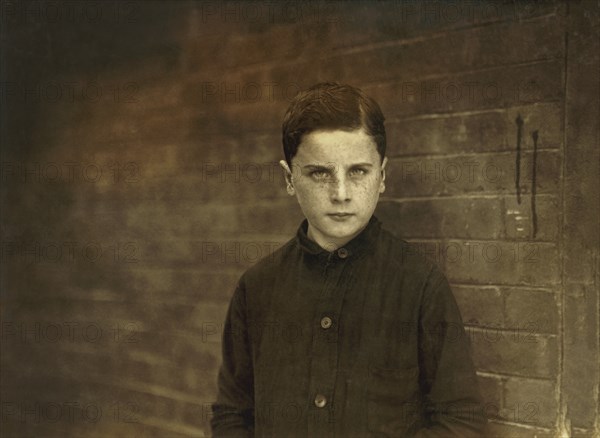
324, 351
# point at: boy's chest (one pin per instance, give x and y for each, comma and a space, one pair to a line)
352, 317
349, 338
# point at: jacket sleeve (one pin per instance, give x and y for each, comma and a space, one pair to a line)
453, 405
233, 411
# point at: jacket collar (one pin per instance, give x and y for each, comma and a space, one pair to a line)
355, 247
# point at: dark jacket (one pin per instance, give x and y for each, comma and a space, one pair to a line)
364, 341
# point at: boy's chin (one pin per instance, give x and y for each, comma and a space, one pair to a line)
343, 230
338, 230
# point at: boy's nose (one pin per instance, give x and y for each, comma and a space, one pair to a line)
339, 190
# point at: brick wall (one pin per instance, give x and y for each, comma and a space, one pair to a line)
139, 180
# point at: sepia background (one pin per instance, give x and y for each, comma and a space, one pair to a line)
139, 149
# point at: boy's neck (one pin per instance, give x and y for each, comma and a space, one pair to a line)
330, 244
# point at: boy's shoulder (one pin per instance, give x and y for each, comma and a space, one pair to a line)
269, 265
405, 255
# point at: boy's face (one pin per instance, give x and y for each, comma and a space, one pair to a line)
337, 177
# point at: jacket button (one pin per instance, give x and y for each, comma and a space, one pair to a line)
320, 401
343, 253
326, 322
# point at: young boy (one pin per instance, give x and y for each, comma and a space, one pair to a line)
344, 330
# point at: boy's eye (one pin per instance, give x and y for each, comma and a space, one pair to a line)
319, 174
358, 172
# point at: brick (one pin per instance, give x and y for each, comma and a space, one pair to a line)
470, 218
194, 340
519, 218
581, 356
207, 52
581, 117
530, 401
493, 89
582, 433
479, 305
294, 78
497, 262
146, 408
206, 317
502, 430
518, 353
531, 308
215, 93
166, 374
104, 123
436, 218
211, 253
249, 117
203, 149
127, 176
282, 218
479, 174
185, 285
498, 44
264, 147
137, 96
492, 394
235, 183
180, 219
294, 29
489, 131
98, 326
394, 20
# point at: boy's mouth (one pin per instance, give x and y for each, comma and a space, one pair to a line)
340, 216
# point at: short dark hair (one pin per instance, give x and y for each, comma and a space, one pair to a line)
329, 106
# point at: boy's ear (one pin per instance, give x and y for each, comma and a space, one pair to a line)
287, 174
382, 182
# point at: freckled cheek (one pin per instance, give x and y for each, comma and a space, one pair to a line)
312, 194
366, 188
367, 195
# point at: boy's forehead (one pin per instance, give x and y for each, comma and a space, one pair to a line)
332, 145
